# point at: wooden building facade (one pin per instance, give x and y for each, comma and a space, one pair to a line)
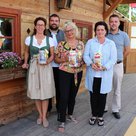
21, 14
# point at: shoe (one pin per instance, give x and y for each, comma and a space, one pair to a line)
71, 118
116, 115
100, 121
45, 123
39, 121
105, 111
92, 120
61, 127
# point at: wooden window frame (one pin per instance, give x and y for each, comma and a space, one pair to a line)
16, 16
89, 25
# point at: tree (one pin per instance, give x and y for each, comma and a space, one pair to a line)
124, 9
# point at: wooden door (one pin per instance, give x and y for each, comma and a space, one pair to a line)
131, 59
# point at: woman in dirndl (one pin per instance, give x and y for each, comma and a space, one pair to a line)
40, 50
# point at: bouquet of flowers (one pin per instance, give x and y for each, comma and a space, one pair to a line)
9, 60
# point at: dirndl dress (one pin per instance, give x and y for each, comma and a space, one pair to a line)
40, 81
40, 84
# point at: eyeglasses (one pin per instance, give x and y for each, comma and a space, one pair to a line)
40, 25
67, 31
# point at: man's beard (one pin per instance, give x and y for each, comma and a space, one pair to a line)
53, 28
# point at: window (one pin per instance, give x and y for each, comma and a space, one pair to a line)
64, 4
6, 39
85, 30
10, 30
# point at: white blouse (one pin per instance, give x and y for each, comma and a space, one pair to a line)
35, 43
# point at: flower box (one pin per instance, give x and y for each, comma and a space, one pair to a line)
9, 60
12, 73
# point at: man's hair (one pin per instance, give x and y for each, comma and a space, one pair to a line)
54, 15
113, 15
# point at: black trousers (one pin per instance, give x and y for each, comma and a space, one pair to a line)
68, 92
97, 99
56, 80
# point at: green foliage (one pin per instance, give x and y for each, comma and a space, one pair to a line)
133, 18
124, 9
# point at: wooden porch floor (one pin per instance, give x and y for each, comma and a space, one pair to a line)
113, 127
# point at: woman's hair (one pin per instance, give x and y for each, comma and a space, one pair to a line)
69, 23
103, 24
35, 23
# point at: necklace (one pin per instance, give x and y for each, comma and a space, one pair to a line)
72, 44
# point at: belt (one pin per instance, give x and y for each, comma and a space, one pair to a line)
118, 62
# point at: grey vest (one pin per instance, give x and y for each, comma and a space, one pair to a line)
60, 35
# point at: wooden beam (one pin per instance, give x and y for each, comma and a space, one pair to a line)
109, 2
104, 5
123, 2
111, 9
128, 1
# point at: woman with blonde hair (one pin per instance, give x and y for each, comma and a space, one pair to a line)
69, 55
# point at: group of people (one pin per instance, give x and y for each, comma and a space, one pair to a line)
61, 73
